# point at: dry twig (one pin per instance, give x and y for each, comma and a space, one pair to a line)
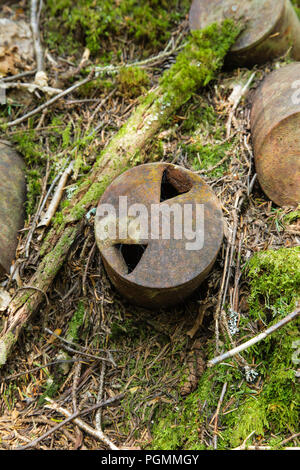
254, 340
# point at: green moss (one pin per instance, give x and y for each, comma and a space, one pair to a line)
149, 376
274, 278
132, 81
203, 157
76, 323
292, 217
199, 113
95, 88
199, 61
89, 22
273, 408
205, 134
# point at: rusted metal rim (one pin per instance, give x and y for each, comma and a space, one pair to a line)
275, 127
261, 17
164, 272
12, 198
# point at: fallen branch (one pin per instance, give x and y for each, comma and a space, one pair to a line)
70, 417
97, 433
195, 66
255, 340
31, 87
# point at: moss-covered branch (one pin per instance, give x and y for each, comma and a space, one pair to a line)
195, 67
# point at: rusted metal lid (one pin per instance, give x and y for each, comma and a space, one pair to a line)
12, 197
261, 17
149, 268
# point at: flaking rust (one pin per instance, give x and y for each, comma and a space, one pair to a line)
275, 126
159, 272
12, 198
272, 27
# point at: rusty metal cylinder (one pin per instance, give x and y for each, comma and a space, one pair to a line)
272, 27
12, 198
275, 126
159, 228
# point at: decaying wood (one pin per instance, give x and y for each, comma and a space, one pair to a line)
120, 153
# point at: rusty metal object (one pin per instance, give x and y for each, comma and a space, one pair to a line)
272, 27
12, 197
275, 125
162, 271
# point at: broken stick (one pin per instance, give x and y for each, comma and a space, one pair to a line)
254, 340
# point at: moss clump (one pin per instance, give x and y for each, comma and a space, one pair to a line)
199, 113
76, 323
199, 61
132, 81
88, 22
95, 88
273, 407
275, 283
207, 156
292, 217
205, 134
34, 187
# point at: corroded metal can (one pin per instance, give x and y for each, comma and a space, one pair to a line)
12, 198
275, 126
159, 228
272, 27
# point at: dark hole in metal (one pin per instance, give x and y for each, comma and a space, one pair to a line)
132, 254
173, 184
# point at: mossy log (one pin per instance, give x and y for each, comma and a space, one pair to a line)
196, 66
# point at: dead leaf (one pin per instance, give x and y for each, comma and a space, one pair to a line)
8, 60
16, 45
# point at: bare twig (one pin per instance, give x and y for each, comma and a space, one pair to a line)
216, 417
39, 210
97, 433
18, 76
255, 340
34, 23
36, 369
70, 417
32, 87
99, 398
51, 101
236, 103
111, 69
57, 197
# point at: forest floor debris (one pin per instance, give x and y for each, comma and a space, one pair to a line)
157, 360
